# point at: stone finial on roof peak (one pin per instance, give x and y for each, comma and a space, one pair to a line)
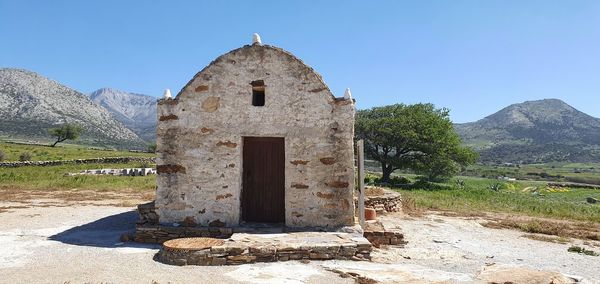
256, 39
167, 94
347, 94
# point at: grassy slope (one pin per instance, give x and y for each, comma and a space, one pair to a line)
61, 152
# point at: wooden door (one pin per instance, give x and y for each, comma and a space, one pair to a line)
263, 180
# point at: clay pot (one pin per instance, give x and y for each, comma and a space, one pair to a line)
370, 214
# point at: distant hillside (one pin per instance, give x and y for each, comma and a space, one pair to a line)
137, 112
535, 131
30, 104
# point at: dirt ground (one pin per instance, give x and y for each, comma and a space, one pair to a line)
54, 239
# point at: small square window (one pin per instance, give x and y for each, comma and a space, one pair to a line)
258, 97
258, 93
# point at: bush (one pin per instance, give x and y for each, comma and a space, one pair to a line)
427, 185
25, 156
495, 186
460, 183
2, 156
151, 148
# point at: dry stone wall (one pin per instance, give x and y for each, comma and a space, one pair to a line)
78, 161
388, 201
200, 136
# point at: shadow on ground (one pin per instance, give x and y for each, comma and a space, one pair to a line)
105, 232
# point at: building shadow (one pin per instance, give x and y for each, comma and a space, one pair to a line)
105, 232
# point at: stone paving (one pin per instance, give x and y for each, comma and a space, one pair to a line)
249, 248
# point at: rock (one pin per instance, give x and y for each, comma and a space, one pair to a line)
126, 237
505, 274
592, 200
242, 258
189, 221
216, 223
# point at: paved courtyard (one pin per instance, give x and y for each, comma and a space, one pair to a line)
58, 242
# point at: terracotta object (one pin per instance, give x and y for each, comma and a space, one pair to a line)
370, 214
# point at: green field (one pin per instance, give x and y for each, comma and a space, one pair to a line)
472, 195
561, 172
12, 152
53, 178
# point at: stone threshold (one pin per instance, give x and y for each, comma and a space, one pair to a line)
242, 248
158, 234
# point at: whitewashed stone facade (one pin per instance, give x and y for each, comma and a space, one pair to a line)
200, 135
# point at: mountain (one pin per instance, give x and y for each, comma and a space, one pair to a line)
30, 104
137, 112
535, 131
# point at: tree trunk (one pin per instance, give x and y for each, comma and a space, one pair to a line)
57, 141
386, 171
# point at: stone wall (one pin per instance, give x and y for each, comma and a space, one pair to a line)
109, 160
200, 136
232, 252
378, 234
148, 229
387, 201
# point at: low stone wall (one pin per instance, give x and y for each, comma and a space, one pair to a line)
147, 214
234, 253
117, 172
108, 160
388, 201
149, 230
378, 238
158, 234
378, 234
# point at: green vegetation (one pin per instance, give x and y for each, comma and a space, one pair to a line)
561, 172
25, 156
65, 132
418, 137
577, 249
53, 178
12, 152
151, 147
472, 195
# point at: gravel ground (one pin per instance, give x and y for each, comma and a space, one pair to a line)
80, 243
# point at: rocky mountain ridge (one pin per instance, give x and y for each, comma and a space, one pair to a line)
30, 104
136, 111
535, 131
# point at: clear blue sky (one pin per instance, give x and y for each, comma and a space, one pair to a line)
473, 57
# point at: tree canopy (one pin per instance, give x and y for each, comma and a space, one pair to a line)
418, 137
65, 132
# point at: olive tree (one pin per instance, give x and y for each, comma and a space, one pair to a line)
417, 137
65, 132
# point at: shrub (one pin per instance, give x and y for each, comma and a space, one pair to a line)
151, 148
460, 183
577, 249
495, 186
25, 156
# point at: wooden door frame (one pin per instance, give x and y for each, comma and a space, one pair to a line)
243, 140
